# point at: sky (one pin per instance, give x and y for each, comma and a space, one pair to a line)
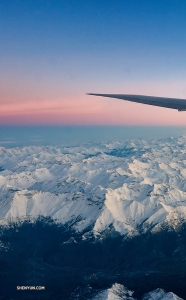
53, 52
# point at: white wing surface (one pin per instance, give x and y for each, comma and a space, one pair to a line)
174, 103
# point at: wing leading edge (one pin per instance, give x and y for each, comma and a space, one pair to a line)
174, 103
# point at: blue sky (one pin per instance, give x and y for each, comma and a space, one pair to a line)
53, 52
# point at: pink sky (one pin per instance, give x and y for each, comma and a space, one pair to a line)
71, 108
52, 55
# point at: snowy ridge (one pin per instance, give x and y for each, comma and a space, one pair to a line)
131, 187
119, 292
160, 294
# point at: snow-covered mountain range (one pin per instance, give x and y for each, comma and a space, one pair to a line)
119, 292
131, 186
105, 192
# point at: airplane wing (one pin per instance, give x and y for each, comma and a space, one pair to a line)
174, 103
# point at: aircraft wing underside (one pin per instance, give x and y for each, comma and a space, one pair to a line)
174, 103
